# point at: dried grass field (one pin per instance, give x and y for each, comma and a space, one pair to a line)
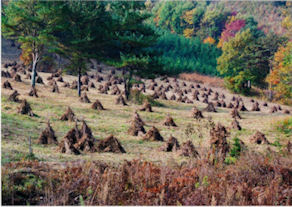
115, 120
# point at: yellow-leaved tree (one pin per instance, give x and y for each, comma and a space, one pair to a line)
209, 40
188, 32
280, 78
188, 16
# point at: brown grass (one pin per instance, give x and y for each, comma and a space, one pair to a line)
208, 80
158, 177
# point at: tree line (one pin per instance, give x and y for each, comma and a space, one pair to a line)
248, 51
146, 38
80, 30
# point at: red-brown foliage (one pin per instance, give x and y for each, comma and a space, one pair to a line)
253, 180
211, 81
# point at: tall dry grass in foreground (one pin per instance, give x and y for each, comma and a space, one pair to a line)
254, 179
208, 80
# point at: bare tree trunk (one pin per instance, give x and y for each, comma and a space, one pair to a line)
127, 93
128, 84
79, 81
270, 96
34, 66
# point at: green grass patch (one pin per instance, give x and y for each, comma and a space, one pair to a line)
19, 123
285, 126
138, 98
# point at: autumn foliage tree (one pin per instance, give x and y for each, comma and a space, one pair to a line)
30, 23
26, 57
230, 31
209, 40
280, 77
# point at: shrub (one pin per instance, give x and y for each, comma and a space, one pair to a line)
276, 143
143, 183
138, 98
236, 148
285, 126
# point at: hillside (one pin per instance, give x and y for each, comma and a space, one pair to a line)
146, 103
115, 120
50, 106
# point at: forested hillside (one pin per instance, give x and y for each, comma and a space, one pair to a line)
235, 40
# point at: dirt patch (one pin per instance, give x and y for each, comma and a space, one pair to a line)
137, 125
259, 138
66, 85
74, 85
14, 96
187, 149
146, 107
169, 121
86, 142
255, 107
60, 79
120, 100
91, 85
97, 105
235, 114
33, 92
172, 145
7, 85
67, 144
84, 98
25, 108
39, 80
241, 107
110, 144
196, 113
286, 111
235, 125
17, 78
289, 147
218, 142
153, 135
28, 76
84, 88
55, 88
48, 136
197, 78
68, 115
210, 108
273, 109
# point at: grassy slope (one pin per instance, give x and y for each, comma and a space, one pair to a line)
115, 120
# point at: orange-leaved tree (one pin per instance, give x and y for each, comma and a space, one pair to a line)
280, 78
209, 40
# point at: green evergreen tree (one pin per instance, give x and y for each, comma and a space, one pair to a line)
31, 24
132, 37
83, 33
245, 58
